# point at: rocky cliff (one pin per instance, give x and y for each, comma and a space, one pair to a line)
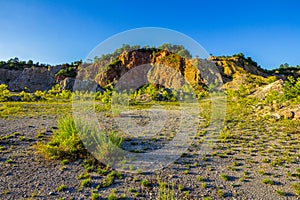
164, 67
161, 66
30, 79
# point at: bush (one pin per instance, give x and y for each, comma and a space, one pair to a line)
65, 142
292, 88
27, 97
4, 93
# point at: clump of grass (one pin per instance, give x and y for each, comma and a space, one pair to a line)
108, 180
65, 142
86, 182
166, 192
102, 171
224, 177
296, 187
41, 134
220, 193
281, 193
95, 196
131, 190
84, 176
8, 161
268, 181
88, 165
64, 161
62, 187
112, 195
200, 178
145, 183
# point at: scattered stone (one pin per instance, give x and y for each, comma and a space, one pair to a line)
276, 86
276, 116
288, 114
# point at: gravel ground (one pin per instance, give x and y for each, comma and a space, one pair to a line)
25, 174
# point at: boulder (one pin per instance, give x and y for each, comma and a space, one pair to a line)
262, 92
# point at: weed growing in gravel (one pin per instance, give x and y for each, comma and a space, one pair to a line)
95, 196
84, 176
281, 193
145, 182
86, 182
220, 193
65, 142
180, 187
112, 195
268, 181
224, 177
102, 171
165, 191
62, 187
108, 181
8, 161
296, 187
64, 161
200, 178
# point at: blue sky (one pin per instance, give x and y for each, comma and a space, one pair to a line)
53, 31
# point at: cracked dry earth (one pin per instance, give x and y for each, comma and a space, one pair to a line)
249, 151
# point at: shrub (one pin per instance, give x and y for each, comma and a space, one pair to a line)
4, 93
27, 97
65, 142
292, 88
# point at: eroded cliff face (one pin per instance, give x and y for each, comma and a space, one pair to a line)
31, 79
233, 66
160, 67
150, 65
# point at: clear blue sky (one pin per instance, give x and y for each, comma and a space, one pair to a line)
54, 31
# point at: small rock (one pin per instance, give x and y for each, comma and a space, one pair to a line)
288, 114
276, 116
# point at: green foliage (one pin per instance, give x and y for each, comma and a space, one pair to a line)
65, 142
166, 192
112, 195
68, 70
292, 88
224, 177
16, 64
274, 95
268, 181
104, 97
86, 182
296, 187
4, 93
62, 187
177, 49
27, 97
